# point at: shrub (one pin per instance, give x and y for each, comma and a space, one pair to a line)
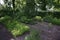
15, 27
38, 18
52, 20
56, 21
24, 19
48, 18
34, 35
5, 19
57, 14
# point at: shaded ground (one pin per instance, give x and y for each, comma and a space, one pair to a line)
47, 32
4, 33
22, 37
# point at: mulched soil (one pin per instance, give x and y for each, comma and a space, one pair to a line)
47, 32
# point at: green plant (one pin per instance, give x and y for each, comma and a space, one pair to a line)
52, 20
24, 19
34, 35
5, 19
38, 18
17, 28
55, 21
48, 18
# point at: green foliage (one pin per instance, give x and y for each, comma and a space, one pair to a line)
24, 11
38, 18
56, 21
52, 20
24, 19
48, 18
30, 8
17, 28
57, 14
5, 19
42, 14
34, 35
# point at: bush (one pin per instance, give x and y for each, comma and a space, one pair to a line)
56, 21
15, 27
52, 20
5, 19
24, 19
48, 18
57, 14
34, 35
38, 18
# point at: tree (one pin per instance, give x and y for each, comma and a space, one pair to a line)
58, 1
30, 8
13, 2
43, 4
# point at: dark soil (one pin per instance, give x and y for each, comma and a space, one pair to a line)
47, 32
4, 33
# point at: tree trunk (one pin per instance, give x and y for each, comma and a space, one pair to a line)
13, 1
58, 1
